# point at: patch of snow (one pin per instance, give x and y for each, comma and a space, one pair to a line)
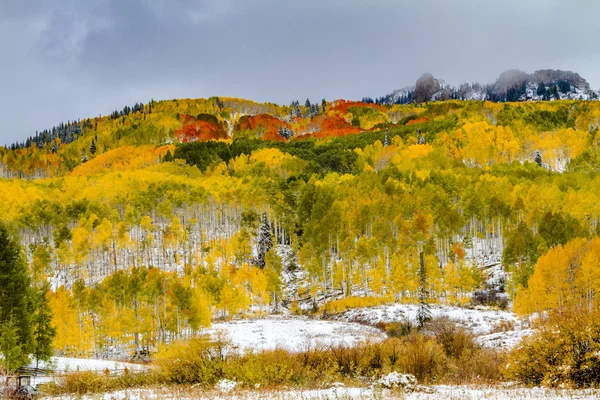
434, 392
66, 364
482, 322
293, 334
504, 340
226, 385
395, 379
479, 321
499, 392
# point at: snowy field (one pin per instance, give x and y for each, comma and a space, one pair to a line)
294, 334
433, 392
62, 365
65, 364
494, 328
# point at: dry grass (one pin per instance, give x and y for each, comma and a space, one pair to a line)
446, 355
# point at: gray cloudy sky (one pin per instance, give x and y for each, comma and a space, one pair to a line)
68, 59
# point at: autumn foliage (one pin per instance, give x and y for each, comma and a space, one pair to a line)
202, 128
156, 214
268, 125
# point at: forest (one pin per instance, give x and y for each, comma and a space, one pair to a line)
149, 224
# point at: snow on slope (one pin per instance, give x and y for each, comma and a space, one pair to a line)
479, 321
294, 334
504, 340
493, 328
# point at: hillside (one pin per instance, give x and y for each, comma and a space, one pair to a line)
150, 224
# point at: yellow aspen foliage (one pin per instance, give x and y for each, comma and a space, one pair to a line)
233, 300
70, 338
479, 137
399, 278
565, 277
378, 278
451, 281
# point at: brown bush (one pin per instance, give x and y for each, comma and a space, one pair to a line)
565, 351
447, 355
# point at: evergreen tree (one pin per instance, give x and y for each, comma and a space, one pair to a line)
537, 157
168, 156
423, 312
541, 90
555, 92
43, 330
386, 141
323, 106
11, 347
93, 147
285, 132
15, 301
265, 241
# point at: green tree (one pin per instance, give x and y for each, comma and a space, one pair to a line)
43, 330
15, 292
12, 349
168, 157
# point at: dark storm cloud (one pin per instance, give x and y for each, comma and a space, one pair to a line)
68, 59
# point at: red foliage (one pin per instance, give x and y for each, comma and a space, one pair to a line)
417, 121
194, 130
268, 123
343, 106
335, 125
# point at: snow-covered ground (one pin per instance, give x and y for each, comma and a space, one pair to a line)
479, 321
494, 328
294, 334
341, 393
62, 365
504, 340
65, 364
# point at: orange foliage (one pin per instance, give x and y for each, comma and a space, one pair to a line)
417, 121
344, 106
334, 125
268, 123
194, 130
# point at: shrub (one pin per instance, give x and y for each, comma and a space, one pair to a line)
82, 382
341, 305
454, 340
564, 351
198, 361
467, 360
397, 328
448, 355
423, 357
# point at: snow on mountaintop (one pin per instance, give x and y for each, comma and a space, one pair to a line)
511, 85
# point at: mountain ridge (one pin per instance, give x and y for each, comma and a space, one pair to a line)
511, 85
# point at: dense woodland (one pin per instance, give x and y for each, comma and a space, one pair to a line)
149, 223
